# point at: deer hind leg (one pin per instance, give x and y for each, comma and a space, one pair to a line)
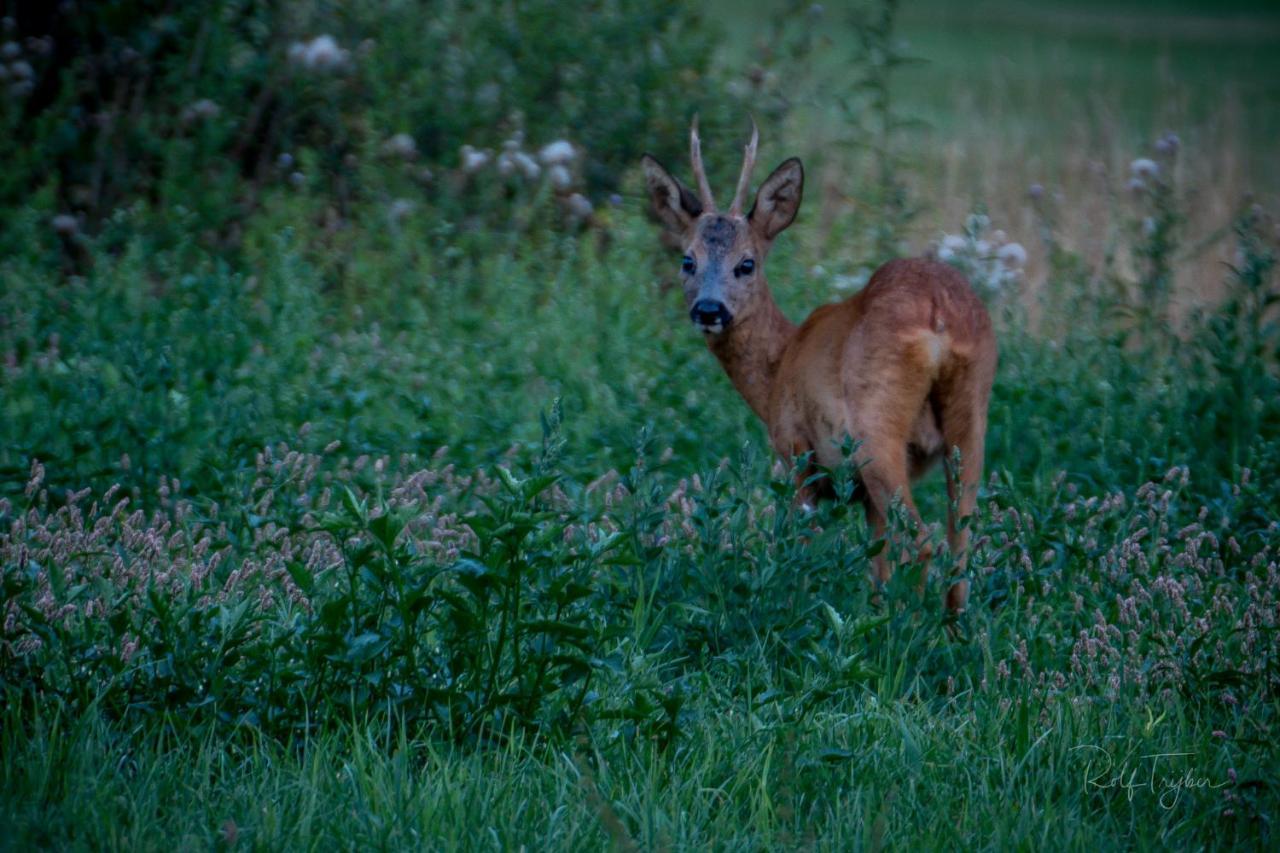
963, 410
890, 409
884, 478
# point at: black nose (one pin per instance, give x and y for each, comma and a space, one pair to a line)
709, 312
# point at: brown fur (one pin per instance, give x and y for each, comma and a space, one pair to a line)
905, 366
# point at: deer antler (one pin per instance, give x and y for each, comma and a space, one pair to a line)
748, 163
699, 173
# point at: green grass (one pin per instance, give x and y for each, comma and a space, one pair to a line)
728, 709
858, 775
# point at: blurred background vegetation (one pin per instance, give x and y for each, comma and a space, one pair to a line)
215, 213
267, 268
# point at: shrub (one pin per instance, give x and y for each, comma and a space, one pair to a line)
204, 107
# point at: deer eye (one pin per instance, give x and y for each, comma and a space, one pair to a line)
747, 267
687, 266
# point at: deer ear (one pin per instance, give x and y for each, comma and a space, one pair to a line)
778, 200
673, 203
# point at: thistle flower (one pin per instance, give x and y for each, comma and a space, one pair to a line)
1144, 168
321, 54
399, 210
325, 55
558, 153
65, 224
473, 160
200, 110
579, 206
527, 165
401, 145
1168, 144
952, 246
561, 178
1012, 255
1035, 191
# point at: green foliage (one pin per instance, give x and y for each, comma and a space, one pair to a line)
802, 71
1239, 347
209, 106
568, 603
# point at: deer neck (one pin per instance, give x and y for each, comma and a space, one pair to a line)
751, 350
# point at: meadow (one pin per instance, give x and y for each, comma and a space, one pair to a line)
364, 485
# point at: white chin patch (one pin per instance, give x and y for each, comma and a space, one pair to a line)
712, 329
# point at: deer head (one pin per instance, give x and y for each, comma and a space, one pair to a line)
723, 266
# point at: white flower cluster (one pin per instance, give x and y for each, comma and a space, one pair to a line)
400, 209
842, 282
401, 146
16, 71
65, 224
473, 159
555, 163
578, 206
989, 258
322, 54
513, 159
201, 110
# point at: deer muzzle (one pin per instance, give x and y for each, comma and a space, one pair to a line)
710, 316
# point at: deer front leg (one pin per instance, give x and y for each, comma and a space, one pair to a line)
807, 490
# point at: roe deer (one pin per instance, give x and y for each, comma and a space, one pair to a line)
904, 367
